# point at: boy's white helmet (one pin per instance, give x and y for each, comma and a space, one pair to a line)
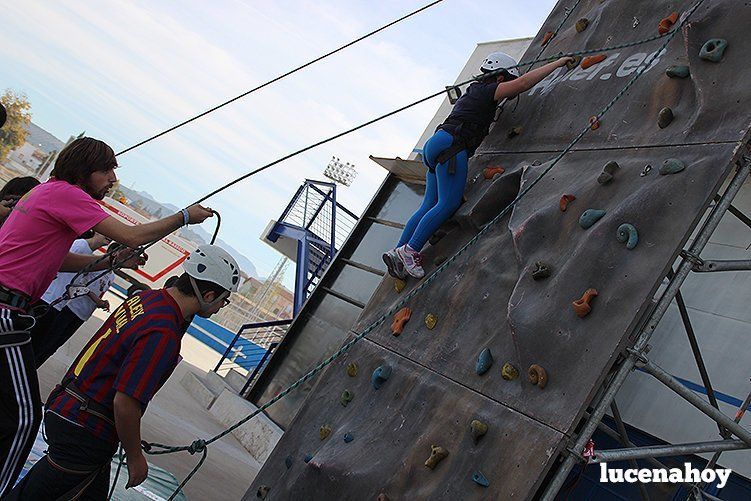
213, 264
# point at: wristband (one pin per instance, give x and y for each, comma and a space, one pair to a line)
186, 216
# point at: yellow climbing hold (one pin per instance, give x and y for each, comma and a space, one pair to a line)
352, 370
324, 431
430, 321
399, 285
509, 372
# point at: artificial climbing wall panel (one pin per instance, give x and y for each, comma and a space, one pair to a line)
488, 299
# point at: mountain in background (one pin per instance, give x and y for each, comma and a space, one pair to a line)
194, 233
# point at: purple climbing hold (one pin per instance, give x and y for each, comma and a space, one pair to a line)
480, 479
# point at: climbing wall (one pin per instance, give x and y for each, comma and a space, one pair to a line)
507, 302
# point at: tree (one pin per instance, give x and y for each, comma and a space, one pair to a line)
13, 133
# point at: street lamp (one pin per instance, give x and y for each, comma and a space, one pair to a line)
342, 173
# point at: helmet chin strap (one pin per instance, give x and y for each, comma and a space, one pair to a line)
205, 307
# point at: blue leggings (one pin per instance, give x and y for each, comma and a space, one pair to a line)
443, 192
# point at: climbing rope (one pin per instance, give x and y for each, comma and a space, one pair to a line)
569, 11
283, 75
201, 445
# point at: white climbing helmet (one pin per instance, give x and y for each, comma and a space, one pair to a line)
213, 264
500, 60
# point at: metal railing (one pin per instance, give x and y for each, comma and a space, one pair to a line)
251, 349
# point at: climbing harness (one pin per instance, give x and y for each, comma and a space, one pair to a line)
467, 136
86, 403
201, 445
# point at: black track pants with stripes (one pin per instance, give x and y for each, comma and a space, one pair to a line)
20, 405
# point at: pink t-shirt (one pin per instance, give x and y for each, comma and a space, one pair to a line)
37, 235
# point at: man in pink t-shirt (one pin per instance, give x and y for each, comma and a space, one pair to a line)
34, 245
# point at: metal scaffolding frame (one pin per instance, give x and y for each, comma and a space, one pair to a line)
636, 358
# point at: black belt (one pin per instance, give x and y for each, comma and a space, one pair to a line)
13, 299
87, 404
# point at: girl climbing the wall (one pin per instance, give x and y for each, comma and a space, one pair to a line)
446, 154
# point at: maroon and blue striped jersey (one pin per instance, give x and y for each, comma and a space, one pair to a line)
134, 352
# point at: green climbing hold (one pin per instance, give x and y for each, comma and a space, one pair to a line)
582, 24
380, 376
608, 172
480, 479
352, 370
672, 166
346, 397
665, 117
589, 217
484, 361
324, 431
478, 428
430, 321
509, 372
713, 50
678, 72
348, 437
263, 491
576, 60
627, 233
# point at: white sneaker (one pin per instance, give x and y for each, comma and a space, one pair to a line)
411, 260
394, 264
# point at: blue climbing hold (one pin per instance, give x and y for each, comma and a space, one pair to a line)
288, 461
308, 457
480, 479
380, 376
627, 233
713, 50
589, 217
348, 437
484, 361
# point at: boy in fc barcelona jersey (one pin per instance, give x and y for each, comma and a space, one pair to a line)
105, 392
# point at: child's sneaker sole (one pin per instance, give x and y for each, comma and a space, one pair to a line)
394, 265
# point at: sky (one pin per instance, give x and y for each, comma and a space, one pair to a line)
125, 70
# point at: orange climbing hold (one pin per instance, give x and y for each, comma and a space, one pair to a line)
565, 200
594, 123
492, 171
582, 306
400, 319
546, 38
667, 23
592, 60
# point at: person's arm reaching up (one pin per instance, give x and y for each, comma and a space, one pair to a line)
507, 90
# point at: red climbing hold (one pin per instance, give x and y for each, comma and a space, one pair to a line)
492, 171
565, 200
592, 60
546, 38
589, 450
667, 23
594, 123
582, 306
400, 319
